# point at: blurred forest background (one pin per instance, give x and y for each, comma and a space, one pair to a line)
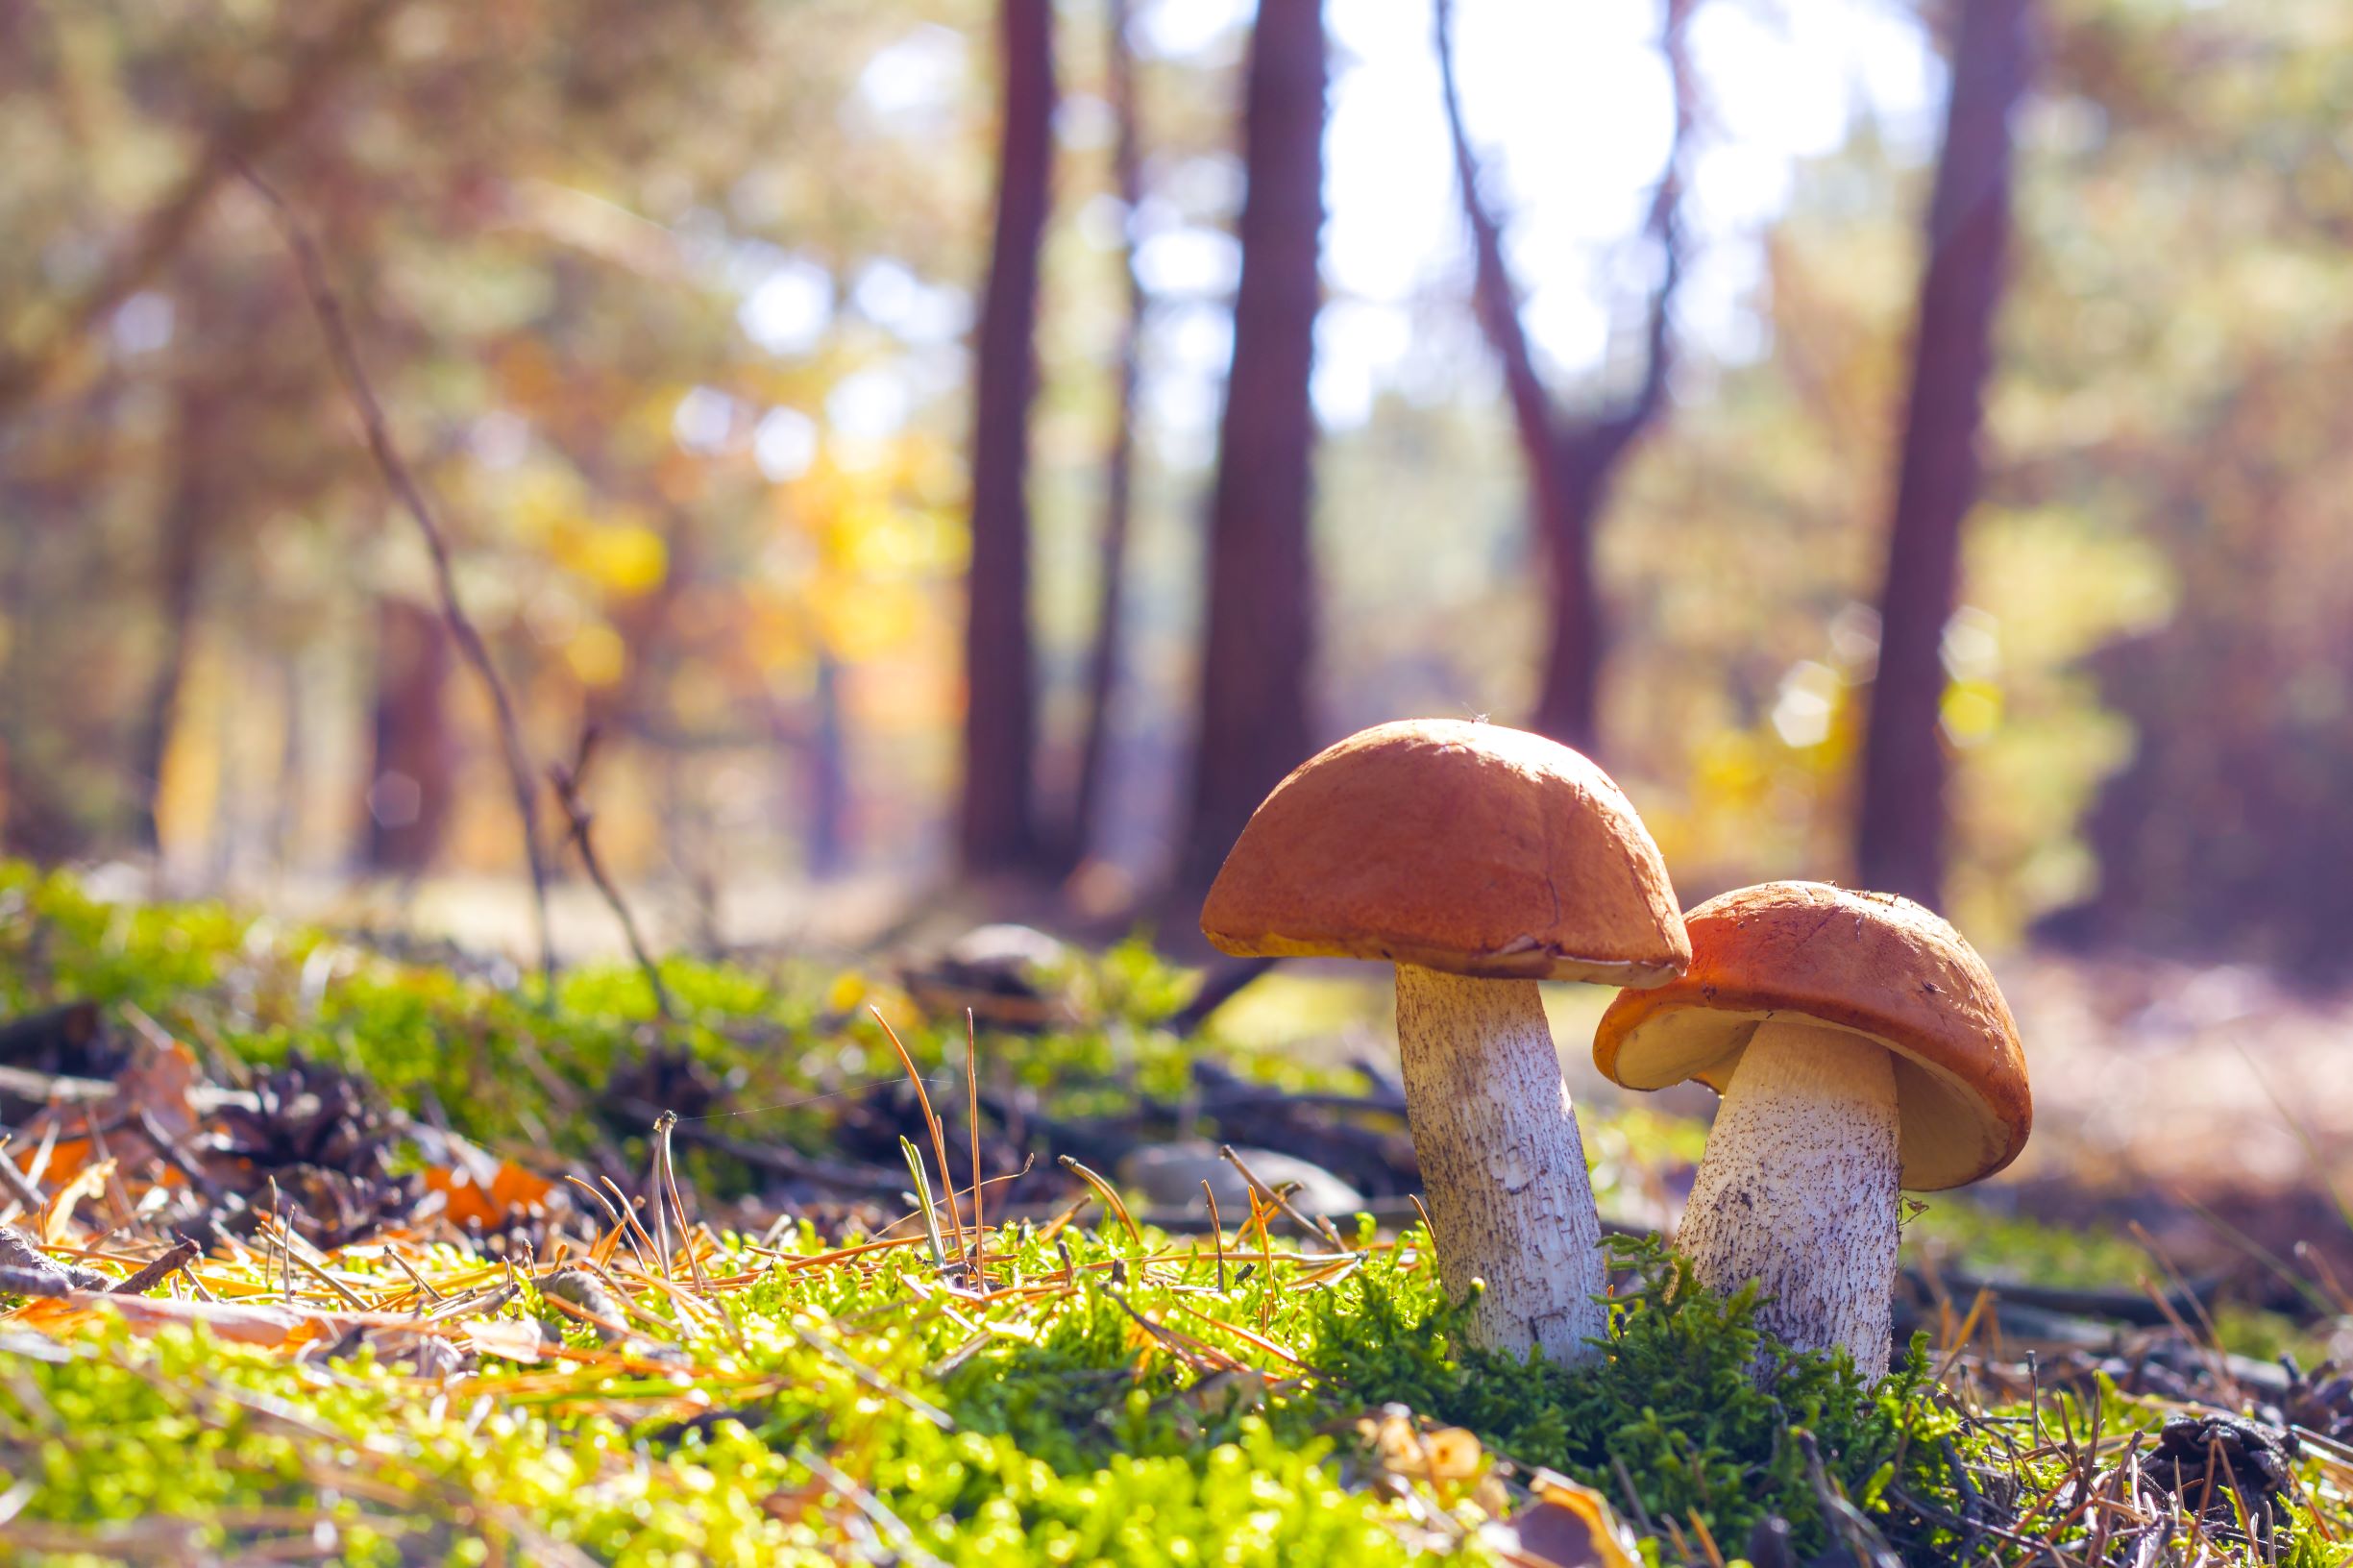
1904, 444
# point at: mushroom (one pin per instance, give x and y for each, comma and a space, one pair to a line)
1479, 860
1860, 1045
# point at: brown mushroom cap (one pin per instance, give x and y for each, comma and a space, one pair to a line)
1467, 848
1872, 963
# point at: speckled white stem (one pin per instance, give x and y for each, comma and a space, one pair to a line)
1797, 1190
1502, 1167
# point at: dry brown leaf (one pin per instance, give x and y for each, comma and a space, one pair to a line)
1570, 1526
160, 1082
513, 1193
89, 1181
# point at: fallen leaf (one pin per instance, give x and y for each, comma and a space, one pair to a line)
514, 1338
156, 1088
270, 1327
1570, 1526
88, 1182
513, 1193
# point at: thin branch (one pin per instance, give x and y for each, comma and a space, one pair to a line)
578, 819
1572, 458
345, 352
234, 141
1665, 226
182, 1253
1495, 296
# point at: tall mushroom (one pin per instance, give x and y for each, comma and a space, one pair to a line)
1479, 860
1860, 1045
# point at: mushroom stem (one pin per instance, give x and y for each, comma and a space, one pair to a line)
1797, 1190
1501, 1162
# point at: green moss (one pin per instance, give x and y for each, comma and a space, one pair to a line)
1129, 1403
1672, 1399
1954, 1230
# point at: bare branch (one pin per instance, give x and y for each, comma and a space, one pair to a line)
1495, 297
578, 819
1572, 459
344, 349
1665, 226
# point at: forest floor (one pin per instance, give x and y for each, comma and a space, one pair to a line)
424, 1274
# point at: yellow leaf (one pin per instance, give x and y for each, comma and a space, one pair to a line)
596, 655
625, 559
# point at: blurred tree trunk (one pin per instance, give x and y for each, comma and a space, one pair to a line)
1899, 835
21, 817
412, 772
283, 835
1572, 459
828, 794
1254, 670
1119, 464
998, 825
183, 530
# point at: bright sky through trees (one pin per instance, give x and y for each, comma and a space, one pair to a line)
1569, 105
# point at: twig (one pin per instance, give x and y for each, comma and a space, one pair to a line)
33, 1282
183, 1253
939, 1139
577, 822
677, 1205
285, 1240
866, 1181
662, 1124
628, 1213
620, 1222
344, 349
1217, 1228
13, 1180
976, 1260
1275, 1198
1104, 1191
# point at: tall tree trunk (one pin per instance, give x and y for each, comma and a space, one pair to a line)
182, 529
999, 826
412, 773
1253, 673
1572, 461
1120, 465
828, 795
1899, 837
1568, 493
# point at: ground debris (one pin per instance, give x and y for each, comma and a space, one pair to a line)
28, 1271
2222, 1466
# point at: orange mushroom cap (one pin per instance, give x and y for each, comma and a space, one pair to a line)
1870, 962
1455, 846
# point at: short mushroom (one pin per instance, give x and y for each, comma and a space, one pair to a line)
1861, 1046
1479, 860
